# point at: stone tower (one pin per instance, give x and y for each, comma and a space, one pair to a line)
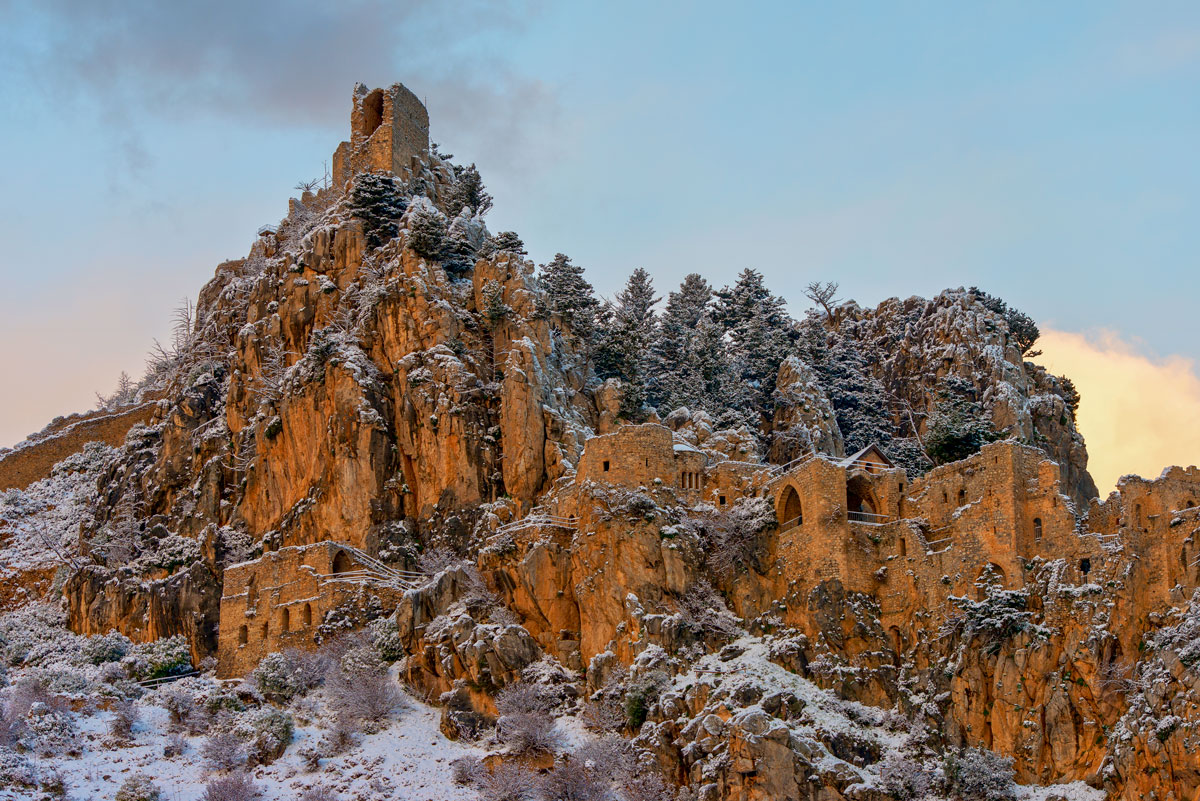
389, 131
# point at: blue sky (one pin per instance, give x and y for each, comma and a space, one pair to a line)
1045, 152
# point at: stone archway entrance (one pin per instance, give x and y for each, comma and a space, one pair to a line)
788, 509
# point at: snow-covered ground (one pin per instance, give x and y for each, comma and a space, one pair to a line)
409, 759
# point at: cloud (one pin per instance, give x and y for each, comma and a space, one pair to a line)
1138, 413
275, 63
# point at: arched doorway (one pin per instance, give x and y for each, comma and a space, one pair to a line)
342, 563
790, 512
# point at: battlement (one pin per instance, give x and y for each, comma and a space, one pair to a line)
389, 132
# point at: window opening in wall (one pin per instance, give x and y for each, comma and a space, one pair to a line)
647, 462
285, 620
945, 497
1183, 558
1037, 529
605, 465
264, 630
341, 563
372, 111
308, 615
1137, 514
962, 497
903, 547
251, 593
721, 500
243, 635
1085, 566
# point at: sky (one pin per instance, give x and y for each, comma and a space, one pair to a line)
1044, 152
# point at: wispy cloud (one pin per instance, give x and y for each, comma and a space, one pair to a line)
273, 63
1138, 413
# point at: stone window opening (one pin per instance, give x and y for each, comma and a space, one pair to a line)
251, 593
265, 630
1085, 566
792, 510
285, 620
721, 500
903, 547
945, 497
372, 112
1183, 558
962, 497
341, 563
606, 465
308, 615
243, 634
1137, 514
1037, 529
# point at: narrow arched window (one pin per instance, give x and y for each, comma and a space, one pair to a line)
1037, 529
243, 635
285, 620
307, 615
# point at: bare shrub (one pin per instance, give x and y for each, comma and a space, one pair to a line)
235, 787
319, 793
465, 770
529, 732
53, 784
368, 696
612, 755
182, 710
506, 782
575, 779
124, 717
223, 751
703, 608
435, 560
523, 696
341, 738
603, 713
647, 786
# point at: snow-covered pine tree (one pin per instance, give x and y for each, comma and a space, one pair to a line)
688, 362
625, 343
503, 241
379, 200
760, 331
567, 295
426, 229
468, 191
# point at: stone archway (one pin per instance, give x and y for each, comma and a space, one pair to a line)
789, 511
342, 563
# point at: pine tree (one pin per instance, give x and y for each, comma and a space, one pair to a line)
468, 191
689, 363
625, 342
958, 427
503, 241
761, 334
379, 200
567, 295
426, 230
459, 250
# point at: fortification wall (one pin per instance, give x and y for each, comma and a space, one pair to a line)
33, 461
278, 601
632, 456
389, 132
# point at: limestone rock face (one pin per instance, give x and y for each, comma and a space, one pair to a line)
804, 420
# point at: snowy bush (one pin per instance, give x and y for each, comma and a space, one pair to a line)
904, 778
385, 636
275, 677
640, 695
465, 769
169, 656
435, 560
15, 769
977, 774
506, 782
175, 746
426, 229
111, 647
138, 787
48, 731
223, 750
733, 539
182, 709
235, 787
1001, 615
268, 732
703, 608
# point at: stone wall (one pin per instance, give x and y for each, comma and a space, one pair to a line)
389, 132
278, 601
23, 466
643, 456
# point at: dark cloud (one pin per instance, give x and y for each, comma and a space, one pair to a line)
277, 63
